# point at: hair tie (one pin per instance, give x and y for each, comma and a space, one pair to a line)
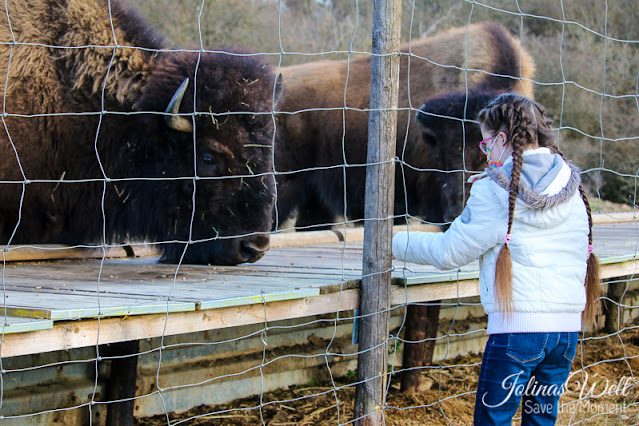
591, 248
507, 239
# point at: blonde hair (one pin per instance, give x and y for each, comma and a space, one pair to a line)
526, 124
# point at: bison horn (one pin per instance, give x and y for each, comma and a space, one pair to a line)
174, 121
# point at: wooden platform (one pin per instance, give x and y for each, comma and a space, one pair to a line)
53, 305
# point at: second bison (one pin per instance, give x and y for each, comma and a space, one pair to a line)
322, 127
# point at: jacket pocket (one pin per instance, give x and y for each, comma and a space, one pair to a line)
526, 347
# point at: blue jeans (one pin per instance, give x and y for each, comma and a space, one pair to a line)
530, 368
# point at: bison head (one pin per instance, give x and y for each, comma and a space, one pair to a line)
448, 128
213, 147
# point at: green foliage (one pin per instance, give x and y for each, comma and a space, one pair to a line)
586, 54
351, 376
314, 382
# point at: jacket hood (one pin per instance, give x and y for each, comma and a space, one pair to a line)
547, 180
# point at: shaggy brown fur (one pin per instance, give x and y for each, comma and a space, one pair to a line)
99, 176
311, 139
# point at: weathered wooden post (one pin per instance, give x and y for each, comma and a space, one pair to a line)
613, 310
122, 382
380, 182
421, 324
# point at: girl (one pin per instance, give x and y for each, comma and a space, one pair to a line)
528, 220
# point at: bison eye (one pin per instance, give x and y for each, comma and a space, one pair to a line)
210, 164
208, 159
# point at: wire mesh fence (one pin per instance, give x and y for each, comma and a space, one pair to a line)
146, 167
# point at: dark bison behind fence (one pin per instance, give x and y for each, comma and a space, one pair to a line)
109, 136
327, 143
449, 129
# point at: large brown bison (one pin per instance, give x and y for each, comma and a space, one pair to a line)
109, 136
321, 133
452, 134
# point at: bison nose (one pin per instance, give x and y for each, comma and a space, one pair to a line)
254, 248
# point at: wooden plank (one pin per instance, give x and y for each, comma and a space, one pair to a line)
338, 234
131, 273
256, 299
85, 306
181, 290
611, 266
288, 239
57, 252
434, 291
602, 218
618, 259
11, 324
58, 307
436, 277
26, 253
184, 291
67, 335
622, 269
132, 270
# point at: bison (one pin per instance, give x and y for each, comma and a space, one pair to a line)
110, 136
449, 129
321, 132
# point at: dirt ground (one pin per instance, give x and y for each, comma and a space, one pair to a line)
600, 392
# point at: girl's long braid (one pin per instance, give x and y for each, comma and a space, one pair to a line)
593, 279
521, 135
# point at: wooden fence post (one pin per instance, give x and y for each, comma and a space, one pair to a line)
122, 382
613, 310
380, 183
421, 324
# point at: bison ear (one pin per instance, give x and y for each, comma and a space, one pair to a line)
419, 118
428, 135
174, 121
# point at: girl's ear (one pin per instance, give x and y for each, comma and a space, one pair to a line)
502, 138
